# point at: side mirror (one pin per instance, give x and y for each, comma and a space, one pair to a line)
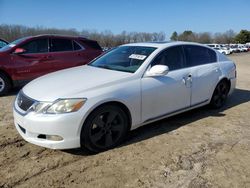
157, 70
19, 51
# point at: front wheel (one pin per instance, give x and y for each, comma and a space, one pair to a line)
220, 95
105, 128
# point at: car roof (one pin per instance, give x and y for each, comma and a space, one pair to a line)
163, 44
59, 36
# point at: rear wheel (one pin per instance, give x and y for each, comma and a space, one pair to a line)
105, 128
220, 94
5, 84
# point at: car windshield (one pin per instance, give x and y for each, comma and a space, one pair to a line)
123, 58
12, 44
2, 43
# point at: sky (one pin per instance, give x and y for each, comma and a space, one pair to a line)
130, 15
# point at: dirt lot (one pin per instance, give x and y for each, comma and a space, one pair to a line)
201, 148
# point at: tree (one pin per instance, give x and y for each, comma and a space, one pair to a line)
243, 37
229, 36
174, 36
204, 38
187, 36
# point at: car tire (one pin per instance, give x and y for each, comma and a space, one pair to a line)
105, 128
5, 84
220, 94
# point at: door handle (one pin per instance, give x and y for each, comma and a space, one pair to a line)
47, 57
187, 79
216, 69
184, 80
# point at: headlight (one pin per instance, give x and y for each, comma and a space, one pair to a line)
40, 107
59, 106
66, 106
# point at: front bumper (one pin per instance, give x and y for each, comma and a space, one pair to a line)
37, 128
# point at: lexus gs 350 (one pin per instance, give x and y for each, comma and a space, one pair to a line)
95, 105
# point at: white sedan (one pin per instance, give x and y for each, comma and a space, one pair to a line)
223, 50
94, 106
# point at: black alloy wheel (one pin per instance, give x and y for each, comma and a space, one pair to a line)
105, 128
220, 94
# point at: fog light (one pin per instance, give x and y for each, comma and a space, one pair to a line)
54, 137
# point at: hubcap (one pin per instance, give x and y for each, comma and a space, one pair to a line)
106, 129
2, 84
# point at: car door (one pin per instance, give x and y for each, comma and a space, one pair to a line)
205, 72
67, 53
34, 61
167, 94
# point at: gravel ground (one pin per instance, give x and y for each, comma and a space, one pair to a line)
200, 148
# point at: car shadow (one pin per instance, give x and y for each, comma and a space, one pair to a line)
167, 125
239, 96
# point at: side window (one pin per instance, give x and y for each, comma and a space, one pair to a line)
199, 55
61, 45
76, 46
173, 57
36, 46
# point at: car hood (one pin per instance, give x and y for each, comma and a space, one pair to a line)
72, 82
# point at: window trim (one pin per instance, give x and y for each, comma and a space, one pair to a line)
185, 58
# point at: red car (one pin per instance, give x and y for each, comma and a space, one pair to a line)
30, 57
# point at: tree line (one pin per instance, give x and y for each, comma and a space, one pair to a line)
105, 38
205, 37
109, 39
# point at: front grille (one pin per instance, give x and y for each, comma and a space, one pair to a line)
24, 102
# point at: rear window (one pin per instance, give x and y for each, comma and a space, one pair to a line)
61, 45
199, 55
91, 44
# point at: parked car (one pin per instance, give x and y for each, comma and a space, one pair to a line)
94, 106
223, 50
3, 43
230, 49
235, 49
214, 45
30, 57
243, 48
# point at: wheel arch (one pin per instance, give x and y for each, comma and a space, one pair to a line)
7, 75
226, 80
111, 102
221, 80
